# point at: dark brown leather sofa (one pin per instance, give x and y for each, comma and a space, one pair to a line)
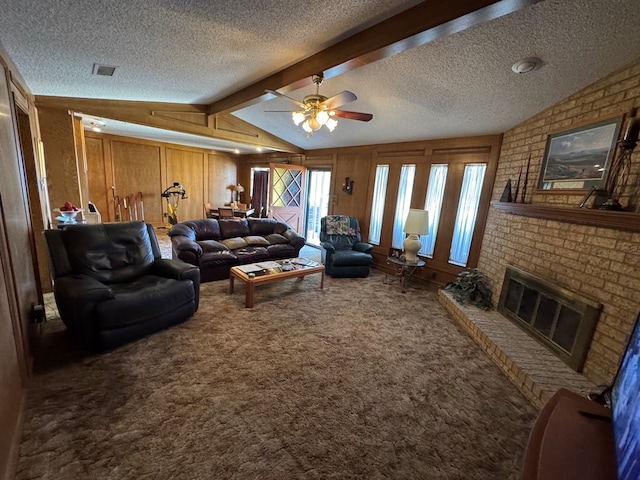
217, 245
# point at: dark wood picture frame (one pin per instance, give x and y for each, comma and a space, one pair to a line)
395, 252
579, 158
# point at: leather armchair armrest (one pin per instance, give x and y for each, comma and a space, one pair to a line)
185, 244
82, 289
294, 238
328, 246
76, 297
180, 271
363, 247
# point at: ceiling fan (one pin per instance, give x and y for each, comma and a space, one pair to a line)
316, 110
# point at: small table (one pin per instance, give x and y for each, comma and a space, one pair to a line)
238, 212
405, 270
253, 274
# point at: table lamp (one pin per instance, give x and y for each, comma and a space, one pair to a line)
239, 190
417, 224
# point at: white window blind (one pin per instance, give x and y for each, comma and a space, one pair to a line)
377, 207
317, 203
433, 205
403, 203
467, 212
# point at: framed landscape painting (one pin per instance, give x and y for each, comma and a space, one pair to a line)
580, 158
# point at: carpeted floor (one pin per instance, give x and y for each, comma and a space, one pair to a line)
356, 381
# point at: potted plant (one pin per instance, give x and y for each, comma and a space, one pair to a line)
471, 287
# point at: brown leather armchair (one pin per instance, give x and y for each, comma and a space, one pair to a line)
111, 286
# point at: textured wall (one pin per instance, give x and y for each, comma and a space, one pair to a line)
599, 263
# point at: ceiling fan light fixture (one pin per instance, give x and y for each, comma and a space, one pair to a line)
297, 117
318, 111
322, 117
314, 124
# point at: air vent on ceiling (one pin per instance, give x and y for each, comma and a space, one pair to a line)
104, 70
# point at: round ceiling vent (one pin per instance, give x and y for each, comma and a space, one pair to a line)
527, 65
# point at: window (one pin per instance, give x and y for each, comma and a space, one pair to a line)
377, 208
405, 189
317, 203
467, 212
433, 205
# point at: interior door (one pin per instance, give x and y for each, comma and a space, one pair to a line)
287, 194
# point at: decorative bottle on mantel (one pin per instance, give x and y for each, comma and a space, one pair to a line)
506, 194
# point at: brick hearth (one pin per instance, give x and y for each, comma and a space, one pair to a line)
536, 371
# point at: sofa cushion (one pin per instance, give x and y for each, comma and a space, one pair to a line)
350, 258
212, 246
251, 255
141, 300
116, 253
276, 238
256, 240
263, 226
215, 259
233, 228
282, 250
234, 243
205, 229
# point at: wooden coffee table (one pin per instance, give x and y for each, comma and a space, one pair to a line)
253, 274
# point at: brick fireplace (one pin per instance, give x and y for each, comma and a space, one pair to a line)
559, 319
535, 370
586, 252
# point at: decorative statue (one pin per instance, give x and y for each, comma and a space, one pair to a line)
173, 194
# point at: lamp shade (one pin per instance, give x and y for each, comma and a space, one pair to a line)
239, 188
417, 222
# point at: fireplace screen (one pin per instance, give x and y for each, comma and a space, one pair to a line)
561, 320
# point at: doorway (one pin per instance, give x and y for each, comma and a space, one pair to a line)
317, 204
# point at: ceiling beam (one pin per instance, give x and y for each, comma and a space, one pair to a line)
177, 117
416, 26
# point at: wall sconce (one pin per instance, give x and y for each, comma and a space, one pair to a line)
347, 186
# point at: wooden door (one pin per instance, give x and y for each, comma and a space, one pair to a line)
19, 283
288, 194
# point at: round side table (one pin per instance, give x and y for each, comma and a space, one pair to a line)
405, 269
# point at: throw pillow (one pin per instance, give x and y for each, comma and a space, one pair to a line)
212, 246
276, 238
256, 240
234, 243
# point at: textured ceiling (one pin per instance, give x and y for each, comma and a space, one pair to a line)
199, 51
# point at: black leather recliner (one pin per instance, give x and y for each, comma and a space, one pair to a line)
343, 252
111, 285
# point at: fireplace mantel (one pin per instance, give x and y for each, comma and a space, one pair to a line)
584, 216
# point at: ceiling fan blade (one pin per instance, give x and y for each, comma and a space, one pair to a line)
339, 100
282, 95
363, 117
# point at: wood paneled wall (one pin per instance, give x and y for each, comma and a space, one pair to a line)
359, 164
19, 277
221, 176
63, 180
187, 167
123, 167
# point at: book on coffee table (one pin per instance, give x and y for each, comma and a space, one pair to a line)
304, 261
